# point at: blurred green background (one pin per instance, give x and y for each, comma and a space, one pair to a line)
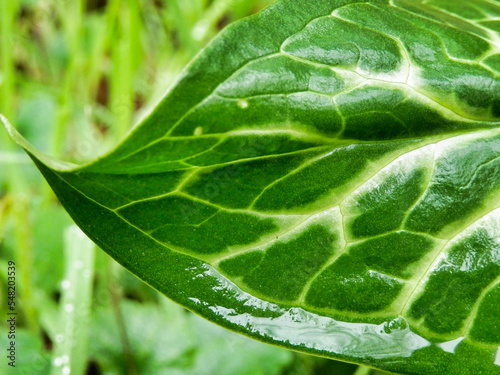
74, 76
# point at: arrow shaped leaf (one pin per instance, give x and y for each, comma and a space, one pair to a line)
325, 176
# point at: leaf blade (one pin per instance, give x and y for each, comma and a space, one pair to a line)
329, 185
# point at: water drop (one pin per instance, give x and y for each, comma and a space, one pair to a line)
66, 370
199, 30
398, 324
450, 346
242, 103
68, 308
65, 284
58, 361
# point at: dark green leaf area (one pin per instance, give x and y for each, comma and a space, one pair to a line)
462, 358
336, 42
419, 8
465, 178
492, 25
393, 253
115, 190
486, 326
375, 113
475, 87
241, 264
152, 214
463, 10
368, 99
374, 125
324, 175
170, 149
459, 43
291, 263
470, 356
217, 233
280, 74
350, 286
251, 146
456, 284
424, 47
445, 79
384, 208
216, 115
493, 62
238, 185
161, 155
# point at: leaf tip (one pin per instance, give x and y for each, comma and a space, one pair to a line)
33, 151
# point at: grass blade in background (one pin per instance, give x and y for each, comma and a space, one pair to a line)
71, 339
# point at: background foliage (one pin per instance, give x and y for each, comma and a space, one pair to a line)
73, 76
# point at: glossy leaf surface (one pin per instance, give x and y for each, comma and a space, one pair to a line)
325, 176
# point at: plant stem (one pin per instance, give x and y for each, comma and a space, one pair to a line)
70, 353
115, 302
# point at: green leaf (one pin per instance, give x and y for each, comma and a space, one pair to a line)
324, 176
30, 356
185, 345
